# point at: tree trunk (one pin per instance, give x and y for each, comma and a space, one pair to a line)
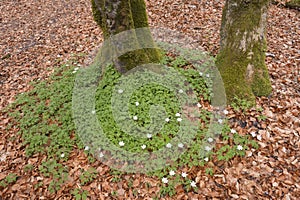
241, 60
116, 16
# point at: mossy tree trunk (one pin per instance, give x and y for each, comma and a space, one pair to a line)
116, 16
241, 60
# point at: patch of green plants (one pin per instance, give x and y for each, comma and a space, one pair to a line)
44, 115
9, 179
168, 189
38, 185
56, 171
114, 193
28, 168
240, 104
117, 176
44, 118
139, 106
262, 117
88, 176
80, 194
209, 171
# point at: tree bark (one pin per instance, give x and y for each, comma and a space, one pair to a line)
116, 16
241, 60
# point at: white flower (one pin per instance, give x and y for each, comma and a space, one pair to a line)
135, 118
199, 105
164, 180
143, 146
258, 137
149, 135
121, 143
232, 131
193, 184
180, 145
179, 119
207, 75
184, 175
74, 72
225, 112
220, 121
210, 140
172, 173
120, 91
167, 119
76, 68
207, 148
169, 145
200, 73
86, 148
180, 91
253, 134
62, 155
93, 111
206, 159
101, 155
239, 147
137, 103
177, 114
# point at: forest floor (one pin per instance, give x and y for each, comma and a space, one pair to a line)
37, 36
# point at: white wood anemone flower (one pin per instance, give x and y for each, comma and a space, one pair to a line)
172, 173
193, 184
207, 148
169, 145
179, 119
239, 147
232, 131
184, 175
120, 91
164, 180
180, 145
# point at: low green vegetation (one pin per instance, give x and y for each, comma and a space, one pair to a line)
56, 171
241, 105
88, 176
9, 179
44, 119
79, 194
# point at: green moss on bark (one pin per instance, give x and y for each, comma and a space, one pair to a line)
100, 19
295, 4
241, 60
232, 69
260, 82
139, 15
140, 19
116, 16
